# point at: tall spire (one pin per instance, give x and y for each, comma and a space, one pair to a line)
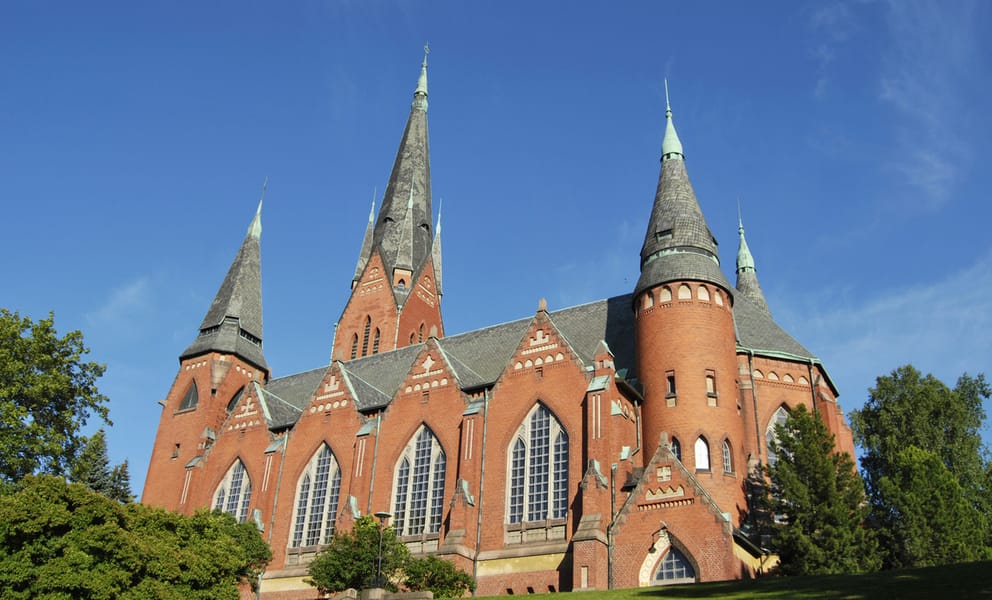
233, 323
678, 244
671, 146
747, 277
436, 250
366, 252
402, 232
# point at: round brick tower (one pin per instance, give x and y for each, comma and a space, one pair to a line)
686, 344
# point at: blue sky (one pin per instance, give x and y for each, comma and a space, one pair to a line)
134, 140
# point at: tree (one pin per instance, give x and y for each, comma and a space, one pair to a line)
928, 521
47, 393
350, 560
441, 577
906, 409
92, 469
818, 501
60, 540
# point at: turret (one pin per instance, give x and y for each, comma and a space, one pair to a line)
747, 276
685, 335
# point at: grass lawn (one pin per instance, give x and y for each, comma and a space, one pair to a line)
968, 580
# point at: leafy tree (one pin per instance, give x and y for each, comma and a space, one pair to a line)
439, 576
60, 540
92, 469
928, 521
350, 560
818, 501
47, 392
906, 409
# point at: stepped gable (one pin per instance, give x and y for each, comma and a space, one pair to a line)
757, 331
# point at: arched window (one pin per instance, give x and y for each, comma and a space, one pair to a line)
191, 398
235, 399
666, 294
676, 448
684, 292
538, 474
648, 300
702, 454
419, 488
234, 492
354, 346
365, 336
779, 418
420, 334
728, 459
375, 342
317, 500
675, 568
702, 293
413, 336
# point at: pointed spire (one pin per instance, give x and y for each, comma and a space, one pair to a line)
402, 233
420, 94
671, 146
747, 276
678, 244
233, 323
366, 252
436, 250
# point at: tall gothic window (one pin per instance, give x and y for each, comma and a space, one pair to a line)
728, 460
317, 500
354, 346
538, 469
419, 488
365, 336
779, 418
233, 403
234, 492
375, 342
676, 448
702, 454
191, 398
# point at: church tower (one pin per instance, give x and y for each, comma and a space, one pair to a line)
224, 358
685, 336
396, 292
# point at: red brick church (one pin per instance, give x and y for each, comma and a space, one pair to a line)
597, 446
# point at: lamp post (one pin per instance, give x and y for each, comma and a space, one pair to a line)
383, 517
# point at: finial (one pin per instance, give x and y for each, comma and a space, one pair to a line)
375, 192
420, 94
255, 228
671, 146
542, 305
427, 50
740, 219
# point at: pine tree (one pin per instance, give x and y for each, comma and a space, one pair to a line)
92, 469
818, 501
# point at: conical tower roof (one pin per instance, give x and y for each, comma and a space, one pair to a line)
402, 231
747, 276
678, 244
233, 323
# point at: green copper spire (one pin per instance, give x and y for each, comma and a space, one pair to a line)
747, 276
671, 146
420, 94
255, 228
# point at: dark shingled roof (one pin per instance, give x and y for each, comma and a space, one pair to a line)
757, 331
235, 316
680, 266
479, 357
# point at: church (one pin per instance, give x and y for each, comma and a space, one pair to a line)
606, 445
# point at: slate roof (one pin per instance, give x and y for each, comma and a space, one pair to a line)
479, 357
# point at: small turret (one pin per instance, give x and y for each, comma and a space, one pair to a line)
747, 276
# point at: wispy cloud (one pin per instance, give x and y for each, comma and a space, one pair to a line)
931, 50
123, 304
832, 24
938, 326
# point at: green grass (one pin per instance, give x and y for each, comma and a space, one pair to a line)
966, 580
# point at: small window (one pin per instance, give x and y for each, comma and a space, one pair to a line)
234, 399
676, 448
402, 284
648, 300
354, 346
666, 294
702, 293
375, 342
365, 336
728, 463
191, 398
702, 454
670, 379
684, 292
718, 297
420, 333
